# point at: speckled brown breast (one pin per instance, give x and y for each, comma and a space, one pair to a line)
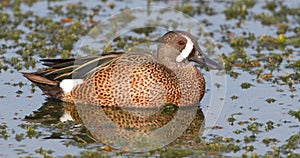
139, 81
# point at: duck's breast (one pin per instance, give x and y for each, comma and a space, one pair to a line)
192, 85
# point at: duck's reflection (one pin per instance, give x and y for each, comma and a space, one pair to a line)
133, 129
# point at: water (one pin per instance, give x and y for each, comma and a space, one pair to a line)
219, 104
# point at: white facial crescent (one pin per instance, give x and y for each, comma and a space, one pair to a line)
186, 51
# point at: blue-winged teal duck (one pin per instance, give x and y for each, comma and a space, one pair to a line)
132, 79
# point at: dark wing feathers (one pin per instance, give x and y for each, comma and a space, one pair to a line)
52, 62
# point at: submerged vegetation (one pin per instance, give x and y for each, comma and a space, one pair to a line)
258, 38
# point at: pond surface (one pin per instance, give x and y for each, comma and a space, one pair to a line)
251, 108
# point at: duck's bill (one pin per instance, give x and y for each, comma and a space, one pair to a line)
206, 62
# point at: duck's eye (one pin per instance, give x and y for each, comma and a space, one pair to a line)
181, 42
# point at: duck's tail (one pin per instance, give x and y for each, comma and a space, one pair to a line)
50, 88
47, 80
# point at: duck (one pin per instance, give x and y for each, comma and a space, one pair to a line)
130, 79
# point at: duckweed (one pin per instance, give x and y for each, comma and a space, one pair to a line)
268, 141
186, 8
295, 64
231, 119
270, 100
268, 20
255, 127
19, 92
249, 148
237, 131
175, 153
31, 133
238, 42
281, 39
19, 137
296, 114
292, 144
234, 97
269, 125
3, 130
235, 12
44, 153
270, 5
246, 85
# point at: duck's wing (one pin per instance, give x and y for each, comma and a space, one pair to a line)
49, 79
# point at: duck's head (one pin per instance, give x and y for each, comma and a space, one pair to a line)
180, 47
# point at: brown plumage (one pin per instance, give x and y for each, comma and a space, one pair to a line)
132, 79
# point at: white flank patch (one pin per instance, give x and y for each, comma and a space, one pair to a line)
68, 84
66, 117
186, 51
